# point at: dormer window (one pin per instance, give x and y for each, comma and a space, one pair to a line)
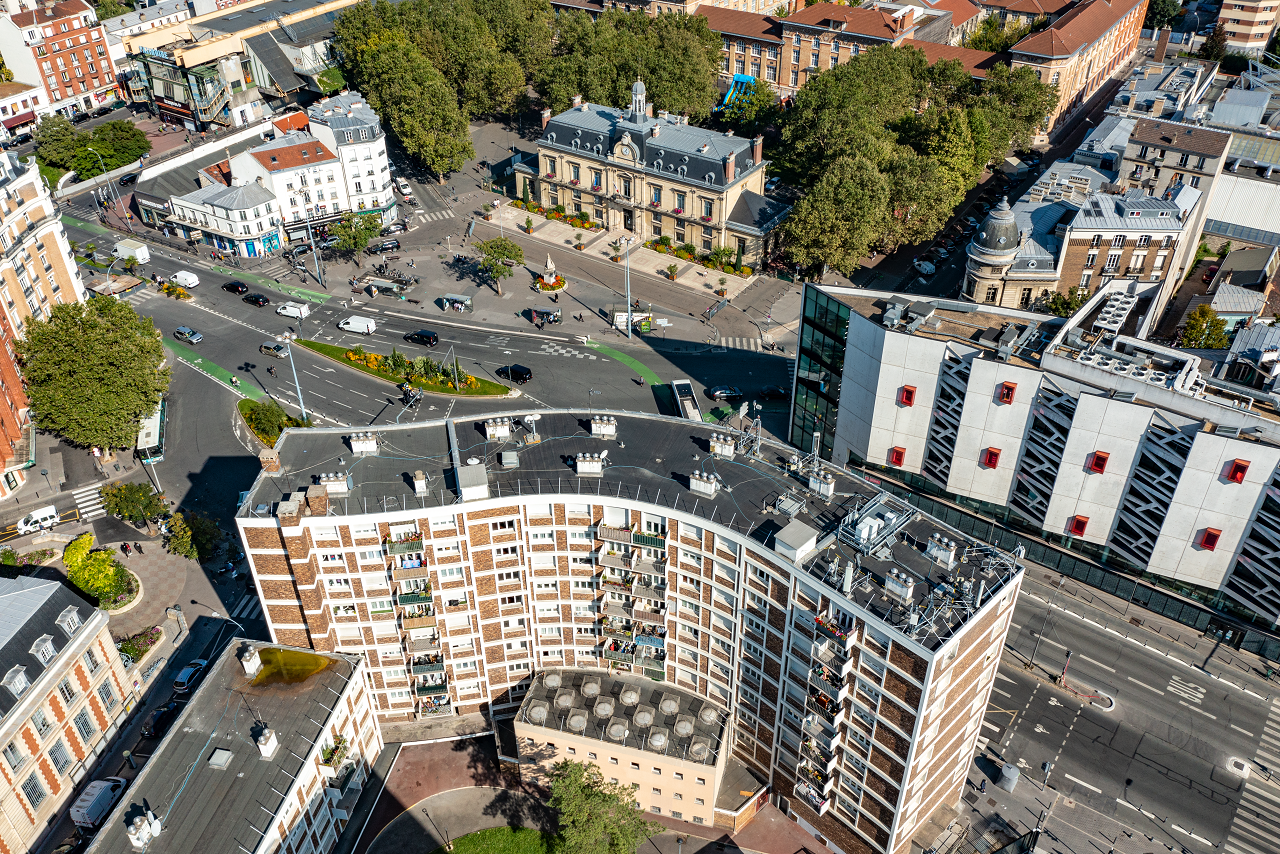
43, 649
70, 621
16, 681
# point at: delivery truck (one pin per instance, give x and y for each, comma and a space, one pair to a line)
135, 249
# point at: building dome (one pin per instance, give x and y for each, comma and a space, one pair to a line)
998, 233
638, 88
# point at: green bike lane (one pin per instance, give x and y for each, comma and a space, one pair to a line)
215, 371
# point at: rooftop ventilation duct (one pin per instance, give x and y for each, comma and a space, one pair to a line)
604, 426
577, 720
669, 705
537, 712
629, 696
497, 428
251, 661
551, 680
684, 726
364, 443
267, 743
659, 739
604, 707
590, 687
722, 445
643, 716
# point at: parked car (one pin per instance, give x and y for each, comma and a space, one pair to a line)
403, 186
236, 287
425, 337
187, 334
924, 268
1210, 273
159, 721
330, 242
19, 139
73, 844
273, 348
517, 374
725, 392
130, 179
80, 118
257, 299
970, 223
189, 676
395, 228
940, 251
774, 392
772, 184
392, 245
295, 251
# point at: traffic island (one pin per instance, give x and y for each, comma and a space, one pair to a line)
389, 369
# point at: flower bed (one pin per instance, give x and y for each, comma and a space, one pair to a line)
559, 213
124, 592
333, 756
556, 285
688, 252
136, 646
176, 291
376, 365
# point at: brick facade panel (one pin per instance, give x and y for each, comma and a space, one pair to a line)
262, 538
270, 565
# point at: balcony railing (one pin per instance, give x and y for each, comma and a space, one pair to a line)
414, 598
626, 657
426, 622
617, 535
430, 690
649, 540
404, 547
811, 797
826, 712
424, 645
647, 616
436, 667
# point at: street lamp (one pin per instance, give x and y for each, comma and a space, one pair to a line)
315, 256
287, 338
1062, 579
627, 258
111, 190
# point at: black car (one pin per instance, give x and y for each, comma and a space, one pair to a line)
384, 246
257, 299
725, 392
395, 228
20, 139
159, 721
517, 374
80, 118
773, 392
131, 178
425, 337
236, 287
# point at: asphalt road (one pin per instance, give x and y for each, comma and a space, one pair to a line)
1166, 748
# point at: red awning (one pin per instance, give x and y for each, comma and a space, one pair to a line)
21, 119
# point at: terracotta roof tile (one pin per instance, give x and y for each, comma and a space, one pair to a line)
857, 21
1048, 8
731, 22
976, 62
961, 10
66, 9
1083, 25
290, 156
293, 121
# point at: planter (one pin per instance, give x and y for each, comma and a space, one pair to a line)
488, 217
579, 246
617, 259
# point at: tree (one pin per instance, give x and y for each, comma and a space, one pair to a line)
92, 372
995, 36
1162, 13
1064, 305
76, 550
1214, 47
354, 231
1205, 330
1224, 250
753, 109
840, 218
178, 541
495, 253
110, 9
96, 573
137, 502
57, 141
596, 817
268, 420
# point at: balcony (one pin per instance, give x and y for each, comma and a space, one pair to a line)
822, 707
821, 736
404, 546
424, 645
814, 775
649, 566
617, 654
811, 797
422, 622
825, 681
616, 585
427, 667
617, 535
830, 629
648, 616
430, 690
612, 560
651, 540
414, 598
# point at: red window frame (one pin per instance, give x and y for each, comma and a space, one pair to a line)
1007, 391
991, 458
907, 395
1209, 539
1238, 470
1098, 462
897, 456
1078, 525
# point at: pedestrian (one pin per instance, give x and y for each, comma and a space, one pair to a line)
137, 547
983, 787
271, 369
124, 547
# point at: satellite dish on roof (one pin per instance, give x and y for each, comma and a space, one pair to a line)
604, 454
532, 417
473, 461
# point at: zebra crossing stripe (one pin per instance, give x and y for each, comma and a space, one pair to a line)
89, 503
248, 608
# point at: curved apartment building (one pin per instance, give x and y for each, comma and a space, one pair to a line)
655, 595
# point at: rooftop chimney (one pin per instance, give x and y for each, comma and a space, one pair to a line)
267, 743
546, 118
1162, 44
757, 150
270, 459
730, 169
251, 661
419, 484
577, 100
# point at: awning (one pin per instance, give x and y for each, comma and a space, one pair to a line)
20, 119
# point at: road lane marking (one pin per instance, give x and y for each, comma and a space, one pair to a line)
1144, 685
353, 391
1098, 663
1194, 709
1188, 690
1083, 783
991, 725
1002, 677
1238, 729
1002, 693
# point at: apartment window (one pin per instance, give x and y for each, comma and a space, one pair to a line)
1096, 242
84, 725
677, 796
41, 723
33, 790
613, 760
69, 619
1195, 181
65, 690
635, 766
506, 524
700, 802
1117, 242
1199, 165
511, 600
992, 295
1091, 259
657, 791
656, 810
1113, 262
795, 76
701, 781
107, 694
697, 819
1144, 241
1182, 161
59, 756
14, 756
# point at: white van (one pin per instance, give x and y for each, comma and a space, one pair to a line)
38, 520
362, 325
186, 279
294, 309
98, 799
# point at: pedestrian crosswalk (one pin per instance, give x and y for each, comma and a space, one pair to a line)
1255, 828
248, 608
435, 216
89, 503
139, 296
741, 343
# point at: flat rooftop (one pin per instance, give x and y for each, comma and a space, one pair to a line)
629, 711
218, 809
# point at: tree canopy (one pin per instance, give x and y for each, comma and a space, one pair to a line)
493, 255
93, 372
1205, 330
60, 145
752, 110
136, 502
354, 231
1214, 47
890, 144
677, 57
994, 35
1162, 13
596, 817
